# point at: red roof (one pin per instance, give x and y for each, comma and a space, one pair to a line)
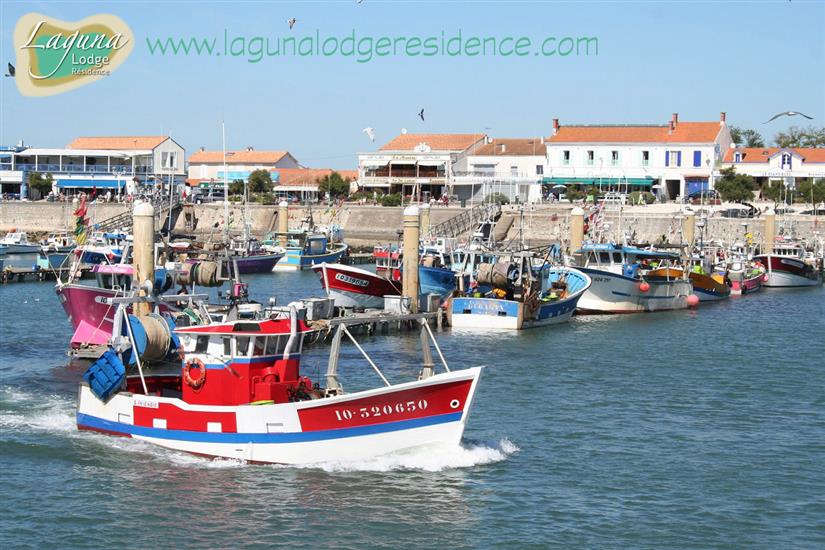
753, 155
522, 147
309, 176
436, 142
684, 132
237, 157
117, 142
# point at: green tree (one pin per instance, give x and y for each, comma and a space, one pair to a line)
773, 190
735, 187
42, 183
808, 188
333, 184
260, 181
801, 137
746, 138
499, 198
236, 187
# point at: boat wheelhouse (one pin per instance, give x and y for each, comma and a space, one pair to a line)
789, 265
304, 250
622, 282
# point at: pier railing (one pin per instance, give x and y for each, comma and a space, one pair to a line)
467, 220
123, 221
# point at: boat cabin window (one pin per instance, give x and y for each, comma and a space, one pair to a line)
604, 257
202, 344
617, 257
227, 346
112, 281
242, 346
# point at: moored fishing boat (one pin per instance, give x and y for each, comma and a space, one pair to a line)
234, 390
746, 277
789, 266
354, 287
521, 296
17, 242
305, 250
622, 283
58, 242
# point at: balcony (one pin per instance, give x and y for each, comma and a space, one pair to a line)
80, 169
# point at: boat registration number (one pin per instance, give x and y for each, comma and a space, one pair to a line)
351, 280
384, 410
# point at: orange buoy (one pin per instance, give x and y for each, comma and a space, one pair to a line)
644, 286
692, 300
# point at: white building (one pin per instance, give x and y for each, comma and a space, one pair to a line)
102, 163
675, 159
511, 166
773, 163
208, 166
415, 164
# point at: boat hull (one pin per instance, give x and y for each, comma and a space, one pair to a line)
257, 263
90, 317
354, 287
23, 248
436, 280
708, 289
788, 272
357, 426
614, 293
740, 284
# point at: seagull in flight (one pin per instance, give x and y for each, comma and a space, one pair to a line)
11, 70
787, 113
421, 115
291, 22
370, 133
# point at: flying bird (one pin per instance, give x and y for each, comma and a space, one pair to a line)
421, 115
370, 133
787, 113
403, 130
11, 70
291, 22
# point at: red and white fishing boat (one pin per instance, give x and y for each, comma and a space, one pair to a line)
237, 393
746, 277
789, 266
354, 287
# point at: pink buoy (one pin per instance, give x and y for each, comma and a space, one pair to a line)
765, 278
644, 286
692, 300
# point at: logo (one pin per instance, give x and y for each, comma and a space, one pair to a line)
55, 56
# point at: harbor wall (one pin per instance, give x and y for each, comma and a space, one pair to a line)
365, 226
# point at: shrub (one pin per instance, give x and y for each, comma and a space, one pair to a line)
499, 198
639, 197
390, 200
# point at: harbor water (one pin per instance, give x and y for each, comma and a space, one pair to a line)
701, 428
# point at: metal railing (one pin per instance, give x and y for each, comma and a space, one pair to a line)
467, 220
123, 221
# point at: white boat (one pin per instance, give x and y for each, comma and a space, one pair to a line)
790, 266
621, 284
18, 243
237, 393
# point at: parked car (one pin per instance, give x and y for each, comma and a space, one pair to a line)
708, 196
743, 210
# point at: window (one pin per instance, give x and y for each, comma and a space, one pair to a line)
227, 346
673, 158
258, 346
617, 257
591, 156
697, 158
737, 157
513, 171
169, 159
645, 158
539, 169
786, 160
242, 346
275, 345
604, 257
614, 158
202, 344
565, 157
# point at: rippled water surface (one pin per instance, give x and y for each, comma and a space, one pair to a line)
697, 428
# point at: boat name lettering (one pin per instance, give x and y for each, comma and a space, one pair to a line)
147, 403
375, 411
351, 280
486, 305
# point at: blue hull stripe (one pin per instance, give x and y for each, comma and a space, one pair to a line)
95, 423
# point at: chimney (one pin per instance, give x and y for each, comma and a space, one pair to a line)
250, 148
555, 126
675, 119
671, 128
503, 148
722, 117
202, 149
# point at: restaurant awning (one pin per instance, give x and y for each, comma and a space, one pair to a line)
431, 162
91, 183
641, 182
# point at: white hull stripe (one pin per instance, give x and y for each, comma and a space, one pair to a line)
95, 423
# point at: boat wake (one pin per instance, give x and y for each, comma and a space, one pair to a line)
20, 410
428, 459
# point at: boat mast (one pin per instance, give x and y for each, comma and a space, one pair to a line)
225, 188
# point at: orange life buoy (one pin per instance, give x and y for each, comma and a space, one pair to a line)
194, 383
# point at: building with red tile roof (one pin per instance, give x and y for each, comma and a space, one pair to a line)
208, 165
776, 163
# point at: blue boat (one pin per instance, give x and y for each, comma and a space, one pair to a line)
436, 280
521, 296
305, 250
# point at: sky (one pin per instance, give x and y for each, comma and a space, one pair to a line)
750, 59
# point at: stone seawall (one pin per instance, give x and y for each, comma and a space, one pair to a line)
365, 226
